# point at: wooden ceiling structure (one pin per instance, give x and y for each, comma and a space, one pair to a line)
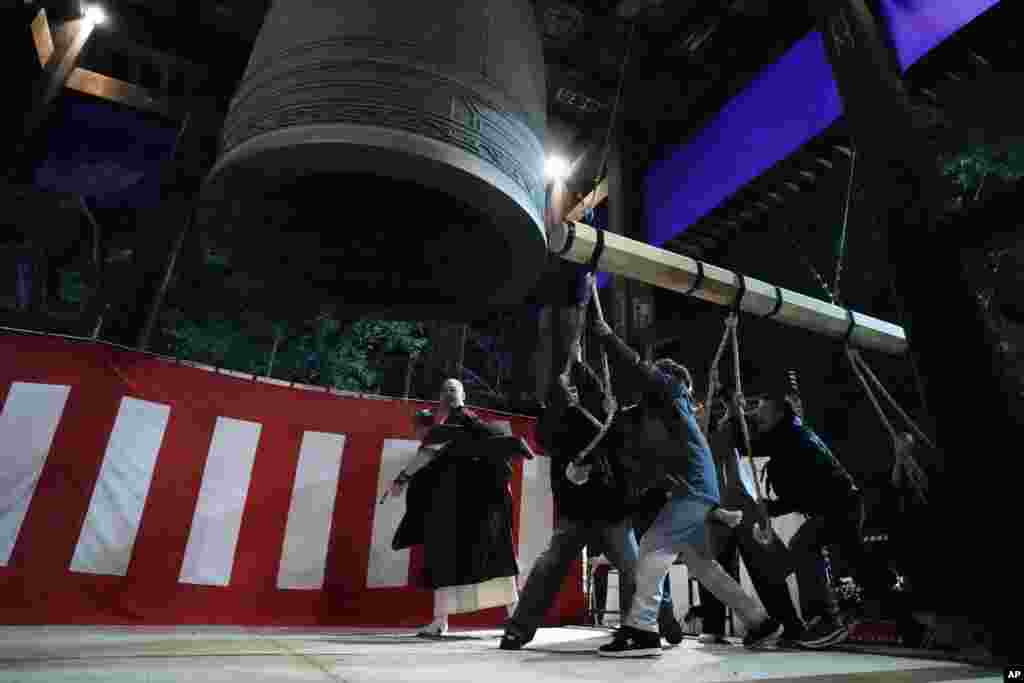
685, 61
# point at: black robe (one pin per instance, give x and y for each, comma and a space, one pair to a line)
459, 507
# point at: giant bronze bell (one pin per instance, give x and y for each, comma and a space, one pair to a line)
387, 152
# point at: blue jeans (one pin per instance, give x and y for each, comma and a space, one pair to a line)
549, 571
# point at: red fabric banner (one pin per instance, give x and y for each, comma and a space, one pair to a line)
68, 484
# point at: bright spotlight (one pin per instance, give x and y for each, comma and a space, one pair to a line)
95, 14
556, 168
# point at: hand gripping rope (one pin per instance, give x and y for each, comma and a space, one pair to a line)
610, 404
905, 465
763, 532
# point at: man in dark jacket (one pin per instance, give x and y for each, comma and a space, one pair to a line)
768, 565
590, 513
807, 478
666, 448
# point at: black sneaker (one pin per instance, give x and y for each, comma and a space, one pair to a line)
824, 633
671, 631
632, 642
512, 641
762, 633
790, 637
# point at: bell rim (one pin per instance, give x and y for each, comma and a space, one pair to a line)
293, 152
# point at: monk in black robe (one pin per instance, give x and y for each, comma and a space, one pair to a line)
460, 509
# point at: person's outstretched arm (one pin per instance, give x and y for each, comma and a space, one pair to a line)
627, 364
424, 456
730, 518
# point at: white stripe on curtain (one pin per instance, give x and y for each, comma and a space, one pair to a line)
389, 568
112, 522
304, 555
536, 514
210, 552
27, 425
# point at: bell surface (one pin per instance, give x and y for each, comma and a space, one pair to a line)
387, 153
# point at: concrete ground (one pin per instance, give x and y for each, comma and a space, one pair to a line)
62, 654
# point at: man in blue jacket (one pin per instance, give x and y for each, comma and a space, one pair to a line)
666, 448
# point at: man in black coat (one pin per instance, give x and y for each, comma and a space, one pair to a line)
665, 448
593, 512
807, 478
768, 565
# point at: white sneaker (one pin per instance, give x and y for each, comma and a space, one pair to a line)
435, 629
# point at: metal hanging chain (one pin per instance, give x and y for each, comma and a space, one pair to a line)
841, 244
611, 121
810, 266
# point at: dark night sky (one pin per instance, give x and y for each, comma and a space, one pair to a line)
111, 155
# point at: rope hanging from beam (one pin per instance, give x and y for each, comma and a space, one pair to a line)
763, 532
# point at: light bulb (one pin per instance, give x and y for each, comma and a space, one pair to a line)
95, 14
556, 168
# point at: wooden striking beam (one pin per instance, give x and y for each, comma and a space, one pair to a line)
639, 261
591, 199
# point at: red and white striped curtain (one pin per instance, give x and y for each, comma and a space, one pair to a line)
136, 490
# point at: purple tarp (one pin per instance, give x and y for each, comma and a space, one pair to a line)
786, 105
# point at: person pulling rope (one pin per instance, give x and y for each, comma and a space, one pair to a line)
906, 472
763, 531
576, 471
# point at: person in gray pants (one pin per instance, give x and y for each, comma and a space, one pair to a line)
593, 512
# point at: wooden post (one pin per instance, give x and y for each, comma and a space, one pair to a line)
273, 352
153, 314
446, 355
62, 61
156, 303
410, 366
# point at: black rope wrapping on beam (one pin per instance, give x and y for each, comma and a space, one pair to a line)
850, 327
698, 282
570, 237
740, 291
595, 257
778, 304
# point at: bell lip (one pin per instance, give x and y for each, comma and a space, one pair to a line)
292, 152
309, 149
